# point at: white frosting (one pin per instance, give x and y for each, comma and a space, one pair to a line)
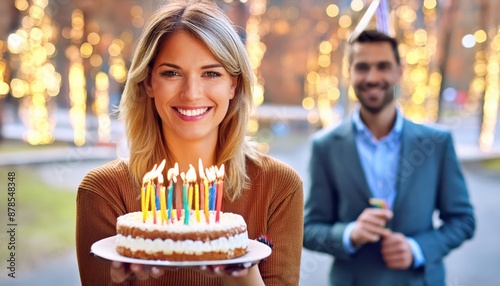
227, 221
169, 246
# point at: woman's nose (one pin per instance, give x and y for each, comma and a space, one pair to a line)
191, 89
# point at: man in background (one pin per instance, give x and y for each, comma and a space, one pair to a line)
376, 180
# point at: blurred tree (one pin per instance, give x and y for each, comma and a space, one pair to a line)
450, 9
8, 12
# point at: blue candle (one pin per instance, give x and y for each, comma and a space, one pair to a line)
157, 197
169, 199
212, 196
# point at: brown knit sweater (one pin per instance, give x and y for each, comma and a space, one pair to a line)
272, 206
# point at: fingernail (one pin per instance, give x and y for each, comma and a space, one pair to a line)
203, 267
234, 273
116, 264
247, 264
155, 270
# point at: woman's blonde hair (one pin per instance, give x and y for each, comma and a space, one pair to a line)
208, 23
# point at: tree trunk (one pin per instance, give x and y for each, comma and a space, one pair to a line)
449, 12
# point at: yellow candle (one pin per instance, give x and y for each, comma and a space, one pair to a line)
190, 197
163, 203
143, 203
205, 182
146, 201
197, 201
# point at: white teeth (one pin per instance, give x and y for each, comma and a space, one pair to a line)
192, 112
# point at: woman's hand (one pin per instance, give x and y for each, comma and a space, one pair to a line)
233, 273
239, 270
121, 271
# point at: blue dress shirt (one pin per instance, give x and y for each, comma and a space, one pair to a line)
379, 159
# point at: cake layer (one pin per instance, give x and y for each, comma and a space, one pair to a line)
132, 224
181, 257
221, 248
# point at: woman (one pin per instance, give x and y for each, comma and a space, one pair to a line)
188, 96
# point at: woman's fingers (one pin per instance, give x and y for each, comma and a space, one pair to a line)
140, 271
118, 272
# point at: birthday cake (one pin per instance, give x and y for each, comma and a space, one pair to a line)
177, 231
178, 241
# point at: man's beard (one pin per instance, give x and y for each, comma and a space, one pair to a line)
375, 109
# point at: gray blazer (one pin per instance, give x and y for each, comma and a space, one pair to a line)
429, 178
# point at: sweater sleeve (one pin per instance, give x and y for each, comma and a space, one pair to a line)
96, 213
285, 228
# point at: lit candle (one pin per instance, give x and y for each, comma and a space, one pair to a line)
148, 177
204, 192
157, 197
146, 201
155, 189
211, 178
191, 177
163, 211
172, 177
220, 191
207, 216
144, 207
153, 199
178, 200
185, 198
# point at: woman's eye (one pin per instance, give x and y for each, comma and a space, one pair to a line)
212, 74
169, 73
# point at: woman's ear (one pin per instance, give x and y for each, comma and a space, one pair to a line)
234, 83
147, 86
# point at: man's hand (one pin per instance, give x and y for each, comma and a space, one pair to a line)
396, 251
370, 226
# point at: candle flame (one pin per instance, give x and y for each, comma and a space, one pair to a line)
183, 177
200, 169
160, 179
160, 168
220, 172
210, 174
191, 174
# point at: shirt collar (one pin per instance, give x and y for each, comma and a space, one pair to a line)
361, 127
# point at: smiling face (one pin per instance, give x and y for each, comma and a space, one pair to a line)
191, 89
374, 72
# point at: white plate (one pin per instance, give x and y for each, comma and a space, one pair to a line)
105, 248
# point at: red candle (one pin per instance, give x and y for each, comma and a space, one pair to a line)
220, 191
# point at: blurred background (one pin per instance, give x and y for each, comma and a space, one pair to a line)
63, 64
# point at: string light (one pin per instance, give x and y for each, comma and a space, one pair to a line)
101, 105
491, 95
256, 50
77, 79
36, 80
